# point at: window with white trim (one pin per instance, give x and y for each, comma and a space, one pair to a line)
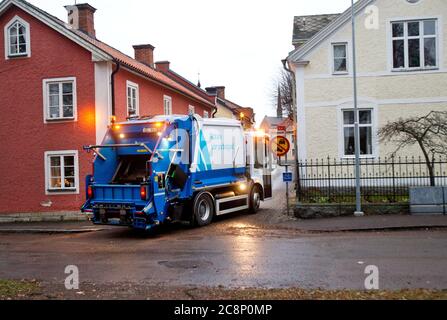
191, 109
17, 38
62, 171
340, 55
132, 99
366, 132
167, 105
60, 99
414, 44
206, 114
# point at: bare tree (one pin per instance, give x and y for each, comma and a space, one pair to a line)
282, 96
428, 132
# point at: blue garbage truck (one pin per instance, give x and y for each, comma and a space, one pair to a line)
155, 170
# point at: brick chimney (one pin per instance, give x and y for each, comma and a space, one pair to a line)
82, 17
218, 91
162, 66
144, 53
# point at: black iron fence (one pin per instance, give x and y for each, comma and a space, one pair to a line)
383, 181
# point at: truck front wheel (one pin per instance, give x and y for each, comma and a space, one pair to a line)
255, 199
203, 209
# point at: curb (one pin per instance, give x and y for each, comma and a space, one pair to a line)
47, 231
377, 229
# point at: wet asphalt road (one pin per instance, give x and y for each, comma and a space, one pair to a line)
233, 252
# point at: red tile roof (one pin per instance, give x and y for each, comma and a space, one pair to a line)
121, 57
140, 67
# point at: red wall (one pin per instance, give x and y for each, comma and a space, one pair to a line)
23, 135
151, 97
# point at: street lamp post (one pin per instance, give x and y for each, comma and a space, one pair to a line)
358, 199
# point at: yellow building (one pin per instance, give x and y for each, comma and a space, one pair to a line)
401, 66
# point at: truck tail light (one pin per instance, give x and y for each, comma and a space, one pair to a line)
90, 192
143, 192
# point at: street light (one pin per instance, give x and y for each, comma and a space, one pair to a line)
358, 199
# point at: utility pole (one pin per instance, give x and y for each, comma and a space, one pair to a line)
358, 195
295, 135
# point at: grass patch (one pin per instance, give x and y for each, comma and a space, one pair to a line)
12, 289
302, 294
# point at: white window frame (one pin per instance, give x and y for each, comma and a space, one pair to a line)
422, 37
206, 114
132, 85
27, 54
63, 190
333, 58
46, 100
167, 105
191, 110
341, 126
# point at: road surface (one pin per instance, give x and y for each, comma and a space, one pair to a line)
234, 252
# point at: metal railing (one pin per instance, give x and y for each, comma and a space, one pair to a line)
383, 180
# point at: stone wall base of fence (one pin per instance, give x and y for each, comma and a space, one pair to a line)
71, 216
314, 211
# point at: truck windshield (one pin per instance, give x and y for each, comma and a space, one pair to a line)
131, 170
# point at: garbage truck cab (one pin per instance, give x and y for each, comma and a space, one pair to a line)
176, 168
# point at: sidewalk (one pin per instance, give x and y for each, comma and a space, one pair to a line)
267, 220
368, 223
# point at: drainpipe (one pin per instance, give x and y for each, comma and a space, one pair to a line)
295, 119
215, 108
112, 82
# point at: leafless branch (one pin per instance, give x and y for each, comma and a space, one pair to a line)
283, 89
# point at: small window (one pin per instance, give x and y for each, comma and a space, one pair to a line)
414, 45
17, 38
60, 99
167, 105
340, 54
132, 99
206, 114
366, 132
191, 110
62, 172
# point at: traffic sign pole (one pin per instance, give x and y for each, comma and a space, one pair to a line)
287, 188
286, 181
281, 147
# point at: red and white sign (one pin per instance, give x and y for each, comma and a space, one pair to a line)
282, 128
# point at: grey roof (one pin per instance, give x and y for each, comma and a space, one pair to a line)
305, 27
272, 121
304, 46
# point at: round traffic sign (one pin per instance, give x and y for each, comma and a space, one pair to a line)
280, 146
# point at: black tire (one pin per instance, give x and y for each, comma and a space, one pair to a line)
255, 199
203, 209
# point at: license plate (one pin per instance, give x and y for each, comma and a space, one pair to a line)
115, 221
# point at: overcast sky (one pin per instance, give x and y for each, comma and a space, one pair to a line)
235, 43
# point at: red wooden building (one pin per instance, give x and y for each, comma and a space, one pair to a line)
59, 87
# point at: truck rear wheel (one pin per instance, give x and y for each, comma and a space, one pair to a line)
255, 199
203, 209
